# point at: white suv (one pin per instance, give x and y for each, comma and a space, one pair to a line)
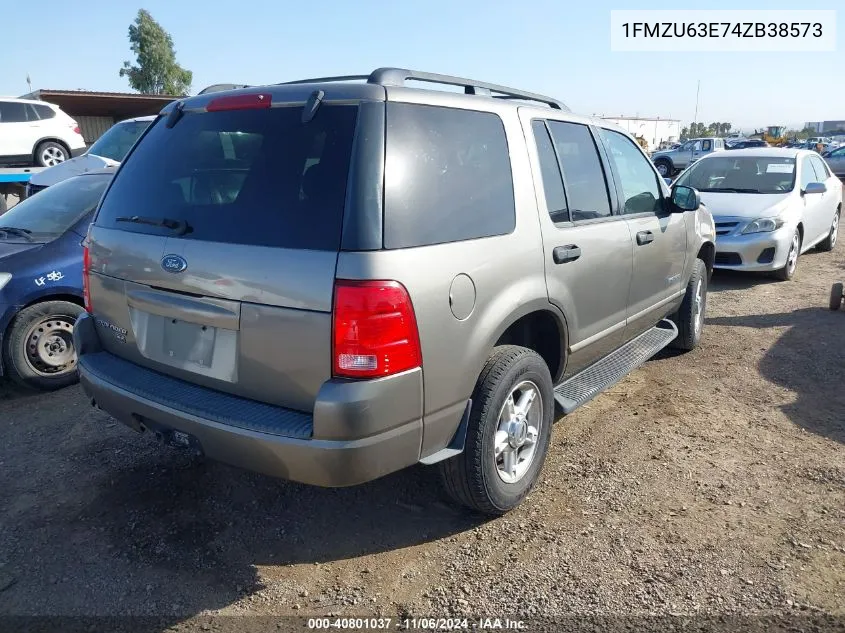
37, 132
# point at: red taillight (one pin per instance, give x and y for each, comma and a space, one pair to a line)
77, 130
86, 287
240, 102
375, 331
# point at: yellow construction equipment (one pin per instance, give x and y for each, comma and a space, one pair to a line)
773, 135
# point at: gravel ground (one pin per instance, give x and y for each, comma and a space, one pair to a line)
706, 485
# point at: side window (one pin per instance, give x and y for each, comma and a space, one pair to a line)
808, 174
447, 176
550, 170
31, 114
820, 168
583, 176
637, 178
44, 112
696, 147
706, 146
12, 112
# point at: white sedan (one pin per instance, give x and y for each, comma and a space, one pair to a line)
770, 205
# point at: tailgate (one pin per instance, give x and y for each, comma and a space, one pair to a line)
213, 254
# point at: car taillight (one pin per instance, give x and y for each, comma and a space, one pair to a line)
86, 287
77, 130
375, 330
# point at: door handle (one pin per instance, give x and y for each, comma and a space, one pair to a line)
645, 237
564, 254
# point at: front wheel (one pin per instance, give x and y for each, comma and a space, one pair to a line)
787, 273
690, 316
830, 241
38, 352
508, 434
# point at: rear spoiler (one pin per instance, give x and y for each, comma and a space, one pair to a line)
221, 87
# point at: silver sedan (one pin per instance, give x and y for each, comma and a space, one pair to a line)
770, 205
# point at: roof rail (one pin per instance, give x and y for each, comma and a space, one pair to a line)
221, 87
398, 77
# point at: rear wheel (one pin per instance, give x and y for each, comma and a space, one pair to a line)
690, 316
50, 153
836, 296
830, 241
788, 271
38, 352
508, 433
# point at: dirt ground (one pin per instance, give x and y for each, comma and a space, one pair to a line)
710, 484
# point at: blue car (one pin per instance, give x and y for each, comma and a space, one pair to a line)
41, 280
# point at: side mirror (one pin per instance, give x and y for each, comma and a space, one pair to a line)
685, 198
815, 187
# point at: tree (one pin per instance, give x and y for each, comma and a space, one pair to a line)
157, 71
699, 130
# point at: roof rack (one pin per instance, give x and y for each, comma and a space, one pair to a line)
398, 77
222, 87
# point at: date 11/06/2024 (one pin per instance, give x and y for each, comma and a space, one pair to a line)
427, 624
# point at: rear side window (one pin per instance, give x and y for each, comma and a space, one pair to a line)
447, 176
583, 176
550, 170
258, 177
822, 173
12, 112
44, 112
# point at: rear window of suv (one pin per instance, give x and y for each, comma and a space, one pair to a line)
257, 177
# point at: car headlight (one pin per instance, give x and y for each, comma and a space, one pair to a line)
763, 225
4, 279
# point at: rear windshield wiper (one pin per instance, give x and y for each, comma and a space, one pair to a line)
11, 230
180, 227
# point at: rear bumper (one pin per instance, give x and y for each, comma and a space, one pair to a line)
348, 440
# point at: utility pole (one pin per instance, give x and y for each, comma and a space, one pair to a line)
697, 91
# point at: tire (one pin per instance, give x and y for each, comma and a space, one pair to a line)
664, 167
49, 153
475, 478
787, 273
690, 316
831, 239
26, 359
836, 296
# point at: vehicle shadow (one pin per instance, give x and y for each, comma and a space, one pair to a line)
808, 360
724, 279
10, 391
158, 532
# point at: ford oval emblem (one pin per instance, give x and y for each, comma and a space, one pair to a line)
174, 263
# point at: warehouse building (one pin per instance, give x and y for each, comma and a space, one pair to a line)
654, 130
826, 127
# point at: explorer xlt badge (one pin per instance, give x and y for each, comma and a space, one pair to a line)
174, 263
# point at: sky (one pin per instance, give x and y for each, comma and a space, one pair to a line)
555, 47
